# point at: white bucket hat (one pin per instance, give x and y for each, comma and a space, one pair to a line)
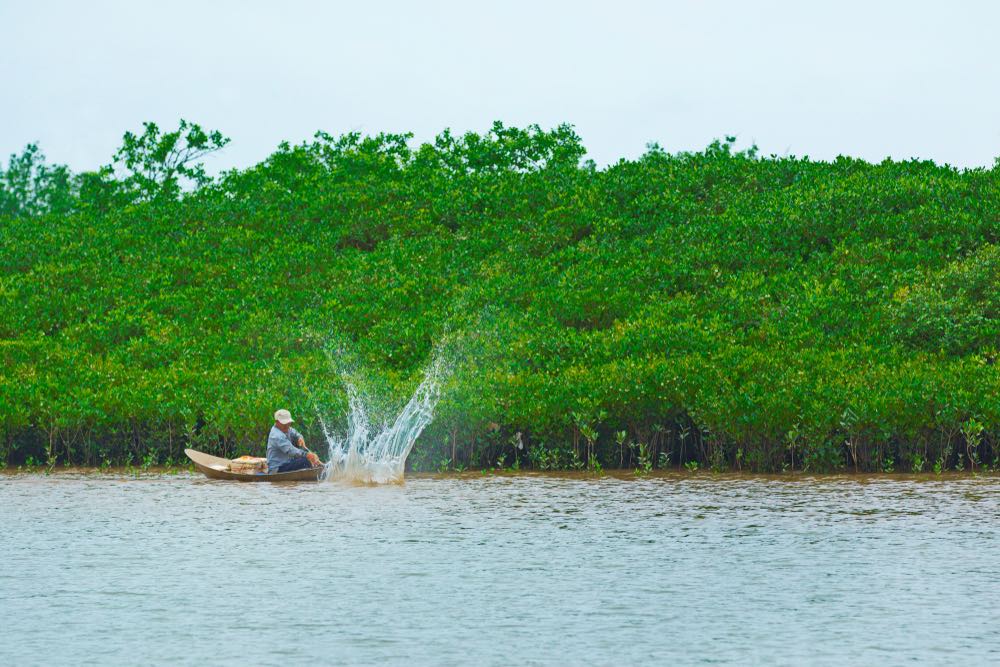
283, 416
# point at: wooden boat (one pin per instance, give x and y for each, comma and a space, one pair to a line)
217, 468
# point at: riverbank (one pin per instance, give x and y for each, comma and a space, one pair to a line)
161, 472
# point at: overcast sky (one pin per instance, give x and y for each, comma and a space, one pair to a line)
869, 79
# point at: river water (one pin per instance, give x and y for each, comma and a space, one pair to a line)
99, 569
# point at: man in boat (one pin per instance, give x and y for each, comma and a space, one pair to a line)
282, 453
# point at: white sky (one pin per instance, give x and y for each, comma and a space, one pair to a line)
819, 78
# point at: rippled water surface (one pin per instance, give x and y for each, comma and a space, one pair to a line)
500, 570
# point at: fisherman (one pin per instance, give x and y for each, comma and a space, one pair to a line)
282, 454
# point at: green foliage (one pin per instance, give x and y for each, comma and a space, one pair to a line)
957, 309
721, 308
29, 187
156, 164
645, 460
972, 432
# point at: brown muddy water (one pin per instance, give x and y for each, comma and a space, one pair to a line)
499, 570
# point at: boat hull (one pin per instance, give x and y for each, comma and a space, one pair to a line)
215, 468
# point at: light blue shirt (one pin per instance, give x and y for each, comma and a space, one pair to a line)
280, 447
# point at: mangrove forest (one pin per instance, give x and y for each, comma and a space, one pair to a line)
716, 309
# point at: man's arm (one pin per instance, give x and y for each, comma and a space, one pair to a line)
296, 437
284, 443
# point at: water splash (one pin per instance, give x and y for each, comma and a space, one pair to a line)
379, 457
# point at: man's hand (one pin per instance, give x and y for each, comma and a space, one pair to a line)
313, 459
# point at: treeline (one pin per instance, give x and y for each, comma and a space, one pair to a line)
716, 308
